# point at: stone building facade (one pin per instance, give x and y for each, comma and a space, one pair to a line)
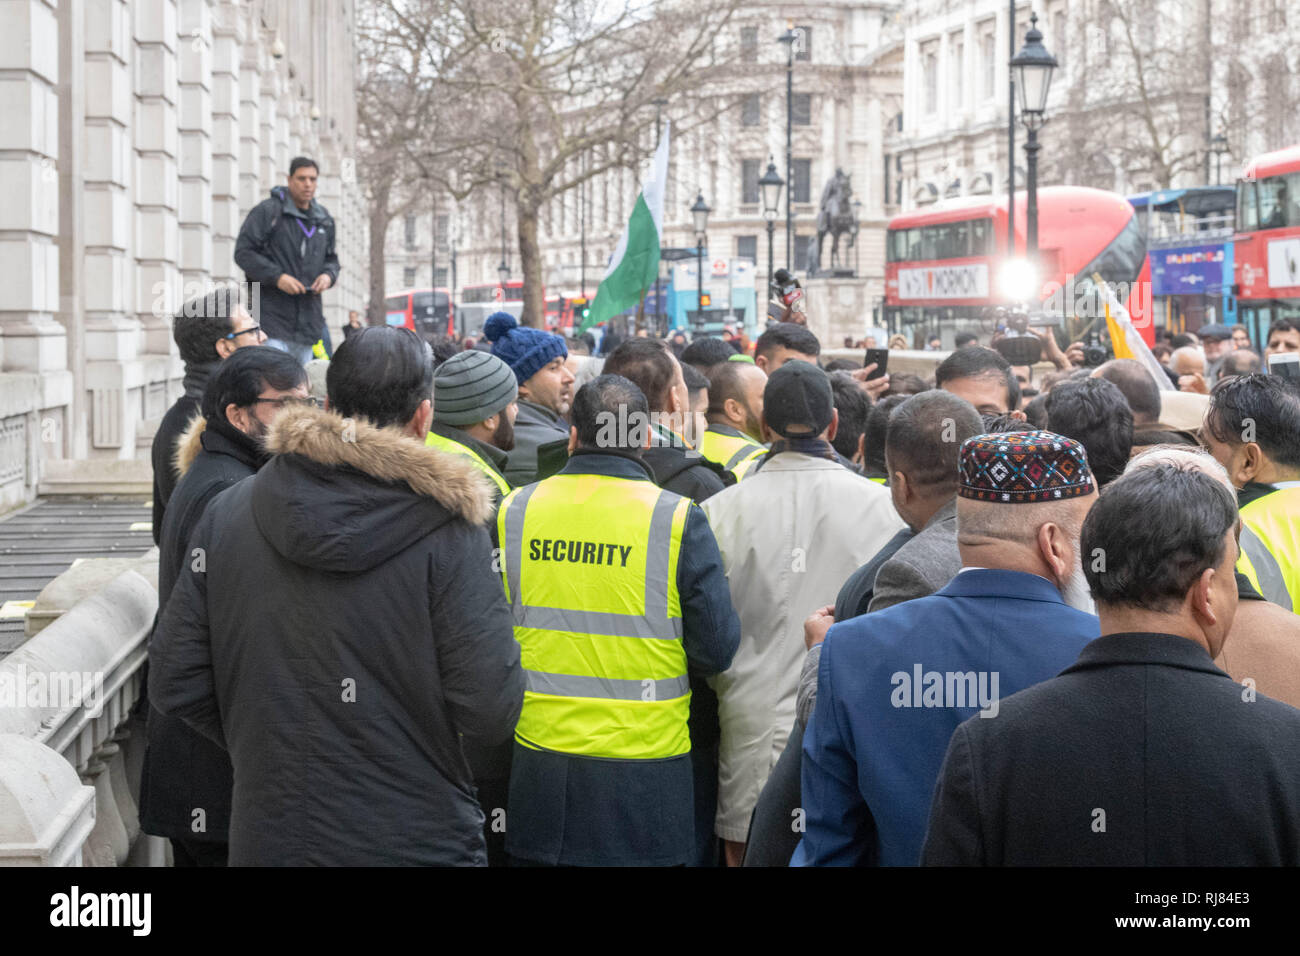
135, 135
847, 84
1188, 69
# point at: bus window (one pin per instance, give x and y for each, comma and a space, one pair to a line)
1247, 214
929, 242
1274, 202
395, 303
959, 238
981, 231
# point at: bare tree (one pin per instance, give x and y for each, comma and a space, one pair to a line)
538, 97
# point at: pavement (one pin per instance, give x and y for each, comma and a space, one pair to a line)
41, 541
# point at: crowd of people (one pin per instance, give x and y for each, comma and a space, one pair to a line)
523, 600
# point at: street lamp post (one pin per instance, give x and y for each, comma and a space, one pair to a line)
769, 187
451, 252
700, 215
661, 317
789, 38
1034, 66
1011, 132
1218, 146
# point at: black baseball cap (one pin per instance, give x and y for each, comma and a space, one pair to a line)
797, 402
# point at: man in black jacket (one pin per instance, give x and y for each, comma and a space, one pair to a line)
379, 636
1142, 753
286, 245
206, 330
186, 781
651, 366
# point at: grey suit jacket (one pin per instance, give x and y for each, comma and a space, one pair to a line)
923, 565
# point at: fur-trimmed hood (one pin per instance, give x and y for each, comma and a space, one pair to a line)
386, 454
189, 445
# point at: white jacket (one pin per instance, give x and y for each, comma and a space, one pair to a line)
790, 536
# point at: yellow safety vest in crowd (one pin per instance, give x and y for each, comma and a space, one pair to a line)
1270, 546
736, 454
591, 576
456, 448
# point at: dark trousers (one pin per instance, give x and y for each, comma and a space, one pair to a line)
199, 853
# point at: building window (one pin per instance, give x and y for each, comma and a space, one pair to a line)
749, 181
956, 70
930, 77
988, 59
801, 109
444, 222
802, 190
803, 45
410, 232
750, 112
747, 248
803, 247
749, 44
408, 275
440, 277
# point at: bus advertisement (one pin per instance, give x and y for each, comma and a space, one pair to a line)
947, 265
1266, 248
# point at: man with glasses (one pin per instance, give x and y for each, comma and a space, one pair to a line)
207, 330
184, 772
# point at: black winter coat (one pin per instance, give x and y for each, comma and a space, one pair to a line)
682, 470
183, 770
348, 628
272, 241
1141, 753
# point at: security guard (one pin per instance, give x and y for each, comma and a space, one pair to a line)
617, 591
734, 436
1252, 428
474, 407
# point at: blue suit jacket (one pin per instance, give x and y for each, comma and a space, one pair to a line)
893, 686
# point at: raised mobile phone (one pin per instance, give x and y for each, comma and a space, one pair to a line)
1285, 365
881, 359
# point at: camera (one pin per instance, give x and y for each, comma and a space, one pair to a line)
1094, 353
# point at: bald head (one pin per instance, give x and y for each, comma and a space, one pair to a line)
736, 397
1187, 360
1138, 387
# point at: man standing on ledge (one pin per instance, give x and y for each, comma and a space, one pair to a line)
287, 246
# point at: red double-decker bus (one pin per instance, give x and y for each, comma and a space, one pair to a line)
945, 264
1266, 248
427, 311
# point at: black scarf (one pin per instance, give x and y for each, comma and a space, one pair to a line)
816, 447
231, 441
196, 378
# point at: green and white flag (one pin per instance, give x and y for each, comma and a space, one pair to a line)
635, 264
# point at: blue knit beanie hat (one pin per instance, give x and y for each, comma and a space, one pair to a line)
525, 350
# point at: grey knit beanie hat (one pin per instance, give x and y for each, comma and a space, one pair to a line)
470, 387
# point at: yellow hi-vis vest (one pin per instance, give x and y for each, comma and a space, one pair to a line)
591, 576
456, 448
1270, 546
735, 454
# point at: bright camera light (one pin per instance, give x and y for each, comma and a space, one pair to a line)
1018, 281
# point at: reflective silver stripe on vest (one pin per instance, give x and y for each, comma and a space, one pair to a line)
740, 456
514, 543
1267, 571
655, 623
605, 688
597, 622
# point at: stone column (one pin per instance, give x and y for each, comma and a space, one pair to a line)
195, 215
250, 108
157, 185
227, 37
30, 339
